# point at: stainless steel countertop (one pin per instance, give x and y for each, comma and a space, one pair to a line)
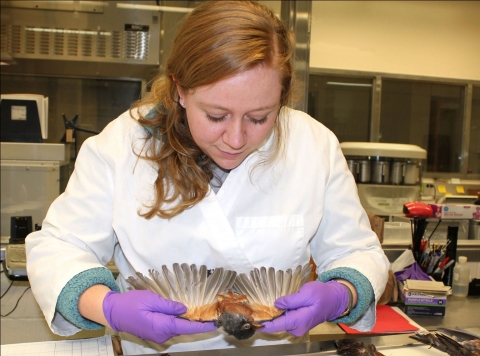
461, 312
389, 345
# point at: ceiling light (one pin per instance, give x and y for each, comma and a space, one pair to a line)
154, 8
349, 84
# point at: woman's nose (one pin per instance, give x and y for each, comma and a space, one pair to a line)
235, 135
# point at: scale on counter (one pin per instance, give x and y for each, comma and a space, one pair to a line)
388, 175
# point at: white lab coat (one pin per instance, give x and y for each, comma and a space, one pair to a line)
305, 204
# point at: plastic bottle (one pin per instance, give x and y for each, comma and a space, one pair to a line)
461, 278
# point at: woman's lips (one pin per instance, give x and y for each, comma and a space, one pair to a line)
230, 155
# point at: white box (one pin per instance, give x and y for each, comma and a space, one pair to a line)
35, 151
397, 231
28, 188
456, 211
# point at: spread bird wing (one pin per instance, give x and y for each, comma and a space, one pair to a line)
238, 303
263, 287
189, 285
451, 341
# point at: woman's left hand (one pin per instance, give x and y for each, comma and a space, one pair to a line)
315, 303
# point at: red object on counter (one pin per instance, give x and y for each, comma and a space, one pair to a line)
444, 262
417, 209
423, 244
388, 321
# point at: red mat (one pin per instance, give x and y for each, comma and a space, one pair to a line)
388, 321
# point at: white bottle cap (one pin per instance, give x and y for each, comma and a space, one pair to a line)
462, 260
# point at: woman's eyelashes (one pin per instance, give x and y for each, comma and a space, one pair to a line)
259, 121
214, 118
221, 118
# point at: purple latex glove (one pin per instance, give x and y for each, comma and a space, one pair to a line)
149, 316
412, 272
315, 303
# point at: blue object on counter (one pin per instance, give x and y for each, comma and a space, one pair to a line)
412, 272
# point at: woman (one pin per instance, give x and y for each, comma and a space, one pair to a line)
214, 169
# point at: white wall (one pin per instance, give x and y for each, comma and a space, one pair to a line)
427, 38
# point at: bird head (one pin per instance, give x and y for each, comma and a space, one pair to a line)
237, 325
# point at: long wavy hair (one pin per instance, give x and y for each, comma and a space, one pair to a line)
217, 40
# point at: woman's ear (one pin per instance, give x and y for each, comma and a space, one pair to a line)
181, 94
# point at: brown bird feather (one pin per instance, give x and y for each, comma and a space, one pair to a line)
238, 303
354, 347
455, 342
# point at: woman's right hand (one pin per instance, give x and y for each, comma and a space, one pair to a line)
149, 316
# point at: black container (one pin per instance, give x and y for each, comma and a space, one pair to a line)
451, 252
474, 287
20, 227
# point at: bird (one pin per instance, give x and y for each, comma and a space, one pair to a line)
455, 342
237, 302
236, 315
354, 347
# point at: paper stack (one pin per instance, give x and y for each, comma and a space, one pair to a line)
428, 298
